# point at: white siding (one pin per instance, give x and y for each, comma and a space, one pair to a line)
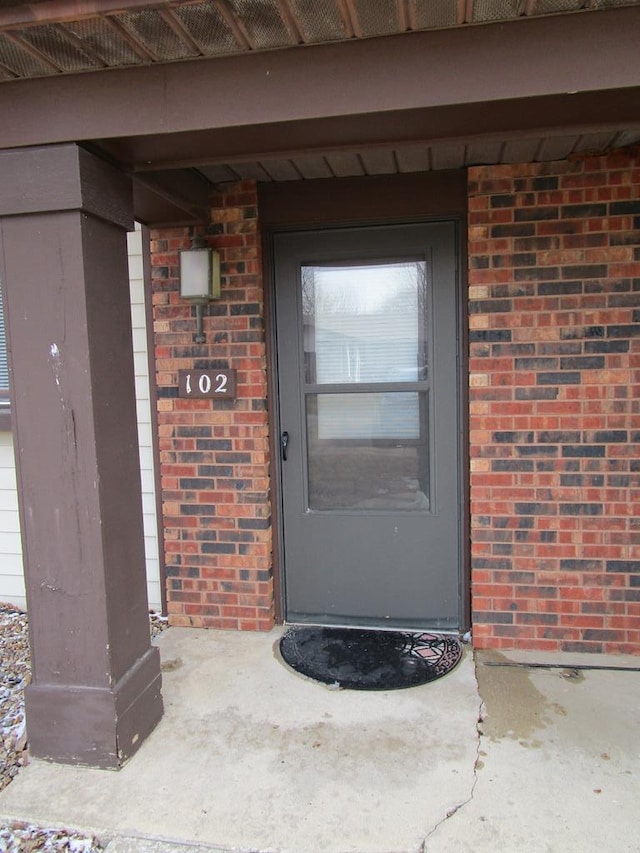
11, 576
11, 572
138, 317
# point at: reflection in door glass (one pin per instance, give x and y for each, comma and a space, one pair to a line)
368, 416
369, 458
364, 323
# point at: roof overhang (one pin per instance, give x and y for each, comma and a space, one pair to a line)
541, 88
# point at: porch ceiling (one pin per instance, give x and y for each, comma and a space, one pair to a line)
51, 37
454, 154
177, 194
190, 93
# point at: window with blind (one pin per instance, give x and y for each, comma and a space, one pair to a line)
367, 384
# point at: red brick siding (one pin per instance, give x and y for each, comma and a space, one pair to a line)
214, 454
554, 302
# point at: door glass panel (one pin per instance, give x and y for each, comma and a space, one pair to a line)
368, 451
368, 416
364, 322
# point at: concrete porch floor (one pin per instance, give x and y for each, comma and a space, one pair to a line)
252, 757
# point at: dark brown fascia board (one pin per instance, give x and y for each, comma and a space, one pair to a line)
356, 201
413, 71
186, 190
152, 209
556, 115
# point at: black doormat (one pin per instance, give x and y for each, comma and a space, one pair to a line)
356, 659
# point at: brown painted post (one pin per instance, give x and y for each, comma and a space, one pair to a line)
95, 694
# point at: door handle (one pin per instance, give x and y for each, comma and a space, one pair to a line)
284, 444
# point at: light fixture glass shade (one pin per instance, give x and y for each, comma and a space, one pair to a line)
199, 274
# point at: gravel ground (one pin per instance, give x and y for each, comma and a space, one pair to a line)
15, 674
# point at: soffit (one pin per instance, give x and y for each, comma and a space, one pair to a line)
181, 195
454, 154
46, 38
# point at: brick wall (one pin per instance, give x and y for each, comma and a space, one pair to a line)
554, 404
554, 302
214, 454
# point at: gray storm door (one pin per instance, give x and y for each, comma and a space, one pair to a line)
367, 375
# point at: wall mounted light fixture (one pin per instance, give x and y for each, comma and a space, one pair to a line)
199, 279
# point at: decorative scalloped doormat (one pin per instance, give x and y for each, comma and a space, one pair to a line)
357, 659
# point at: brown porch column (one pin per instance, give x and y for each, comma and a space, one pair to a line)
95, 694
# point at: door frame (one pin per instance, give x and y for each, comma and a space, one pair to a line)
361, 202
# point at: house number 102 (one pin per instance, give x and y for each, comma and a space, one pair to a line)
204, 384
200, 384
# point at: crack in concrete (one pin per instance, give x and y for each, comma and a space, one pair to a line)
477, 765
